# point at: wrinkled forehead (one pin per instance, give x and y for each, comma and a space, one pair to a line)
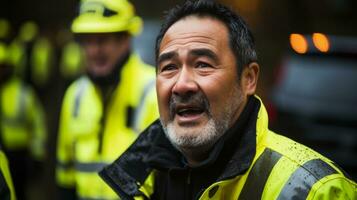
195, 30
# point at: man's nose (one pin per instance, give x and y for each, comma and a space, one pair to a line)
93, 48
185, 83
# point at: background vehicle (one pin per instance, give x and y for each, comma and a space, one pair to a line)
314, 99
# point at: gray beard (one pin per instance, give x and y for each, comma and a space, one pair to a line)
199, 142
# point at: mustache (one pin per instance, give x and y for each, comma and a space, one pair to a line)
197, 99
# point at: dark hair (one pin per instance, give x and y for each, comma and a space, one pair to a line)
240, 37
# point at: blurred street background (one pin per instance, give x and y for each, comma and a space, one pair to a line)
272, 23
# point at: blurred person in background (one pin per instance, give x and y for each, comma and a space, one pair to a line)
22, 123
212, 140
104, 110
32, 54
6, 186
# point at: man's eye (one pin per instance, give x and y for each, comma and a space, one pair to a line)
168, 67
203, 65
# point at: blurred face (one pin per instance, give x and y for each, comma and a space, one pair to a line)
103, 50
199, 94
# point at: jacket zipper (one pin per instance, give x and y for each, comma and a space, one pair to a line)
188, 190
106, 101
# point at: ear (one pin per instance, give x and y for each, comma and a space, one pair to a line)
249, 79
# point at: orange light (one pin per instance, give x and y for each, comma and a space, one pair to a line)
321, 42
298, 43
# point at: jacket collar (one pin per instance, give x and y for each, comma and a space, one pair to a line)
238, 143
130, 170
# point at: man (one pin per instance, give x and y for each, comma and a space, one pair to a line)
212, 140
103, 111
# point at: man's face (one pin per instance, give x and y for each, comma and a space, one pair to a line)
103, 50
199, 94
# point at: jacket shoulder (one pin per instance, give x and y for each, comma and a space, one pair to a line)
292, 150
299, 170
137, 68
74, 92
76, 84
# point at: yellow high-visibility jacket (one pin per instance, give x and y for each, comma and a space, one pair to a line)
263, 165
6, 186
92, 135
22, 119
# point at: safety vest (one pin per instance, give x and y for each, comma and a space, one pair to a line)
22, 119
281, 169
92, 135
6, 186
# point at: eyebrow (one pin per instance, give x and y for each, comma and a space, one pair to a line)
194, 52
204, 52
167, 56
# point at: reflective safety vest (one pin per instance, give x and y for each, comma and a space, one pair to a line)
22, 119
92, 135
6, 185
281, 169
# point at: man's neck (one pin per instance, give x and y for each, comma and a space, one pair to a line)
194, 160
196, 156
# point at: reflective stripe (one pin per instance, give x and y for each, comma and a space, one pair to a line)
64, 165
82, 86
254, 185
300, 182
139, 108
12, 121
90, 167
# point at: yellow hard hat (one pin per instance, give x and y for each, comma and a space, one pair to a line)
106, 16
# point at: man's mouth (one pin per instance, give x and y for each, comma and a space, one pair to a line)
189, 108
188, 111
188, 114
